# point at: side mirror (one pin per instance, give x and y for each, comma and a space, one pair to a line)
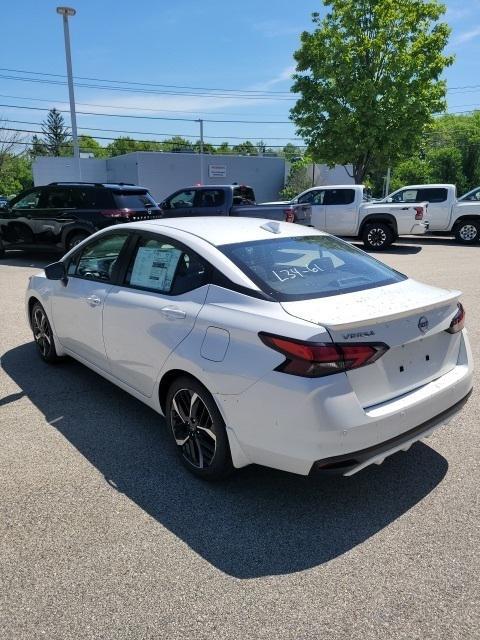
56, 271
389, 200
164, 205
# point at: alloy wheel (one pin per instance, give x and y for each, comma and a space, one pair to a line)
192, 428
376, 237
41, 331
468, 232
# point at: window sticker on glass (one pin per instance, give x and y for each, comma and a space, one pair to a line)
155, 268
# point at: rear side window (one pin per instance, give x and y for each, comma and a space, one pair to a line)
210, 198
432, 195
92, 198
164, 267
243, 195
60, 198
339, 196
133, 199
308, 267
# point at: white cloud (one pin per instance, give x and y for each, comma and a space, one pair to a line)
275, 28
466, 36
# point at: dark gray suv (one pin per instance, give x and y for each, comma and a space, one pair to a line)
59, 215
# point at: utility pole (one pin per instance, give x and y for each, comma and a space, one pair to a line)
387, 182
66, 12
201, 151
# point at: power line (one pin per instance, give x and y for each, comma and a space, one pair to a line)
123, 115
154, 133
151, 91
147, 84
117, 106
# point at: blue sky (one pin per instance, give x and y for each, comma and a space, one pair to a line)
244, 45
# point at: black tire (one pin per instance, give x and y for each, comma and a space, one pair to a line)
198, 429
377, 236
2, 250
42, 334
75, 238
467, 232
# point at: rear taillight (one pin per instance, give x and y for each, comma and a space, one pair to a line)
315, 359
419, 214
458, 322
114, 213
289, 215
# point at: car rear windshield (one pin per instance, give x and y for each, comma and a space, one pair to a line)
306, 267
133, 199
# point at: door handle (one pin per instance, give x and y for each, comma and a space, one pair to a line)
173, 313
93, 301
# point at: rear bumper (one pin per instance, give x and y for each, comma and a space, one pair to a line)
350, 463
294, 424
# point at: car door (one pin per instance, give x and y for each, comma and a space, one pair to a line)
179, 204
155, 308
209, 202
314, 197
340, 211
77, 304
438, 211
55, 210
18, 222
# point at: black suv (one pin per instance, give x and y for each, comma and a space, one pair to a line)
59, 215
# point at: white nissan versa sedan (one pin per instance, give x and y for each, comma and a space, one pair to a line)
261, 342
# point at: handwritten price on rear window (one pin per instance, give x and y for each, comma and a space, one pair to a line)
290, 274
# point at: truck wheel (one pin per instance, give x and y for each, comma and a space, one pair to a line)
467, 232
377, 236
2, 250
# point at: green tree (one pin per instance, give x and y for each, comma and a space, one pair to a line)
15, 174
368, 77
224, 148
290, 152
298, 179
88, 144
56, 135
246, 148
446, 166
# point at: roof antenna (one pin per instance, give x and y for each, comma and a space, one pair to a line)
272, 226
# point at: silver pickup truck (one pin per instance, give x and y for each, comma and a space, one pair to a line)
230, 200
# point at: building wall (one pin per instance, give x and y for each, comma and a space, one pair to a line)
164, 173
47, 169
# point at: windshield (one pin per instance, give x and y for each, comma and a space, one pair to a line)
134, 200
307, 267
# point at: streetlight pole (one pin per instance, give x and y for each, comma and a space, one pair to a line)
201, 151
65, 12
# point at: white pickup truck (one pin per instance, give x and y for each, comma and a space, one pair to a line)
344, 210
446, 213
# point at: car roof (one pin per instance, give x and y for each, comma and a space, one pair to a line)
219, 230
122, 186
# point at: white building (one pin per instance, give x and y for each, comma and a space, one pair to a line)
163, 173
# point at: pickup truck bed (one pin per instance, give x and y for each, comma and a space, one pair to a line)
229, 200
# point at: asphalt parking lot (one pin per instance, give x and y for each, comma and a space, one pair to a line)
104, 535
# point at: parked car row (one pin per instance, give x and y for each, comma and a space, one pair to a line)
60, 215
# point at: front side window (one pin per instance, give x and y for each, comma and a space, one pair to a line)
308, 267
29, 201
98, 259
182, 200
163, 267
472, 196
407, 195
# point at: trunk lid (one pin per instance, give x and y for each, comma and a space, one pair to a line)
410, 317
